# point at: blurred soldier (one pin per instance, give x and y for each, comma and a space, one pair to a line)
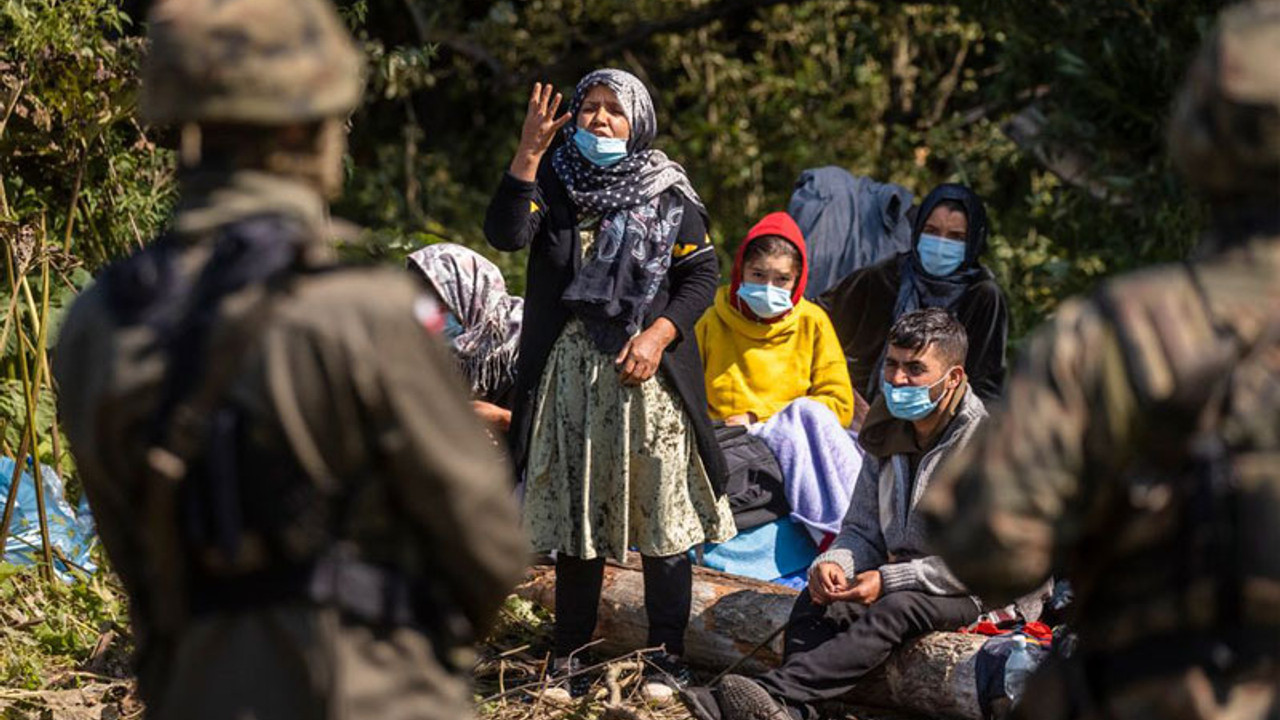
284, 467
1139, 450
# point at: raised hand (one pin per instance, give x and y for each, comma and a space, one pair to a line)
540, 128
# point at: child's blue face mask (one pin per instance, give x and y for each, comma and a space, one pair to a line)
602, 151
940, 256
766, 301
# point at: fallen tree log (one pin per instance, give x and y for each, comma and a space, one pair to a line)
932, 675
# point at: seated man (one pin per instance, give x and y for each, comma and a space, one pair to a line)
772, 361
875, 587
943, 269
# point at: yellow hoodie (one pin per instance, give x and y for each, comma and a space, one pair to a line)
761, 368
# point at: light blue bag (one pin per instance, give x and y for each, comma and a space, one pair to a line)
71, 531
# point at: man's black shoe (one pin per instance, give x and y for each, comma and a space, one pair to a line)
742, 698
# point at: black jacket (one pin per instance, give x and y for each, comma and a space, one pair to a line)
541, 216
861, 308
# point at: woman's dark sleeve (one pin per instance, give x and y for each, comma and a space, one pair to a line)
694, 273
515, 213
988, 328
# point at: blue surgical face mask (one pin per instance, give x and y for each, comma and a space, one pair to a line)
602, 151
940, 256
766, 301
452, 328
910, 402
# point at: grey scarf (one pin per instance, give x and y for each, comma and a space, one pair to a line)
475, 292
641, 200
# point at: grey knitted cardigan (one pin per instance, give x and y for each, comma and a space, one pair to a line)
881, 530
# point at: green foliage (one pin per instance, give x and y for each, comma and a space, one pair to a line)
1104, 75
51, 627
1052, 110
751, 93
72, 147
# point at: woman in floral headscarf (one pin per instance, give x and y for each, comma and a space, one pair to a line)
610, 425
482, 323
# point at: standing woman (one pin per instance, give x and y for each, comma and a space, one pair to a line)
609, 425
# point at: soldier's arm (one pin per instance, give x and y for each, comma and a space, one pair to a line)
446, 473
359, 385
1005, 511
83, 363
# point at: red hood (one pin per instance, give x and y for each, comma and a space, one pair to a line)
780, 224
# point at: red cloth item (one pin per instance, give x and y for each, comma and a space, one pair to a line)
1039, 631
986, 627
780, 224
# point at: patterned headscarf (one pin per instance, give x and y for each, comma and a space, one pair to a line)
474, 291
917, 288
639, 177
616, 284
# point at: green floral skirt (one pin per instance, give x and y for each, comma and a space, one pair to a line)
613, 467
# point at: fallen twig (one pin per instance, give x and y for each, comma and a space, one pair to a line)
636, 654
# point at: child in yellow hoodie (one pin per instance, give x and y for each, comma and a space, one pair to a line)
763, 345
772, 361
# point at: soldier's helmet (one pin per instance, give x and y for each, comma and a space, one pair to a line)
1225, 131
257, 62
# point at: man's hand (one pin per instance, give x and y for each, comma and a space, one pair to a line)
639, 358
827, 581
492, 414
744, 419
866, 588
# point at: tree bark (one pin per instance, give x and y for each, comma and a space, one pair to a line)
932, 675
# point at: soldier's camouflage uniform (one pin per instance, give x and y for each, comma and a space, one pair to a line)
1138, 450
354, 437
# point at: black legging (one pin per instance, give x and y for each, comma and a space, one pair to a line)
668, 595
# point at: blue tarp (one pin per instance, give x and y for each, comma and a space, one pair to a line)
768, 552
849, 222
71, 530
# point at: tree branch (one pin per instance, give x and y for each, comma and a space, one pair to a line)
947, 86
642, 32
469, 49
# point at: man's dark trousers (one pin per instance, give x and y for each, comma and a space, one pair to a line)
828, 649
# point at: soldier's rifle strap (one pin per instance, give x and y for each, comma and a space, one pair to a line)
200, 370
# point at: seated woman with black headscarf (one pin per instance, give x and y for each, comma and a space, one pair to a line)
942, 270
609, 424
482, 323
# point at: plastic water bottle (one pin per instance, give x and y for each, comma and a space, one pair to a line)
1017, 668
